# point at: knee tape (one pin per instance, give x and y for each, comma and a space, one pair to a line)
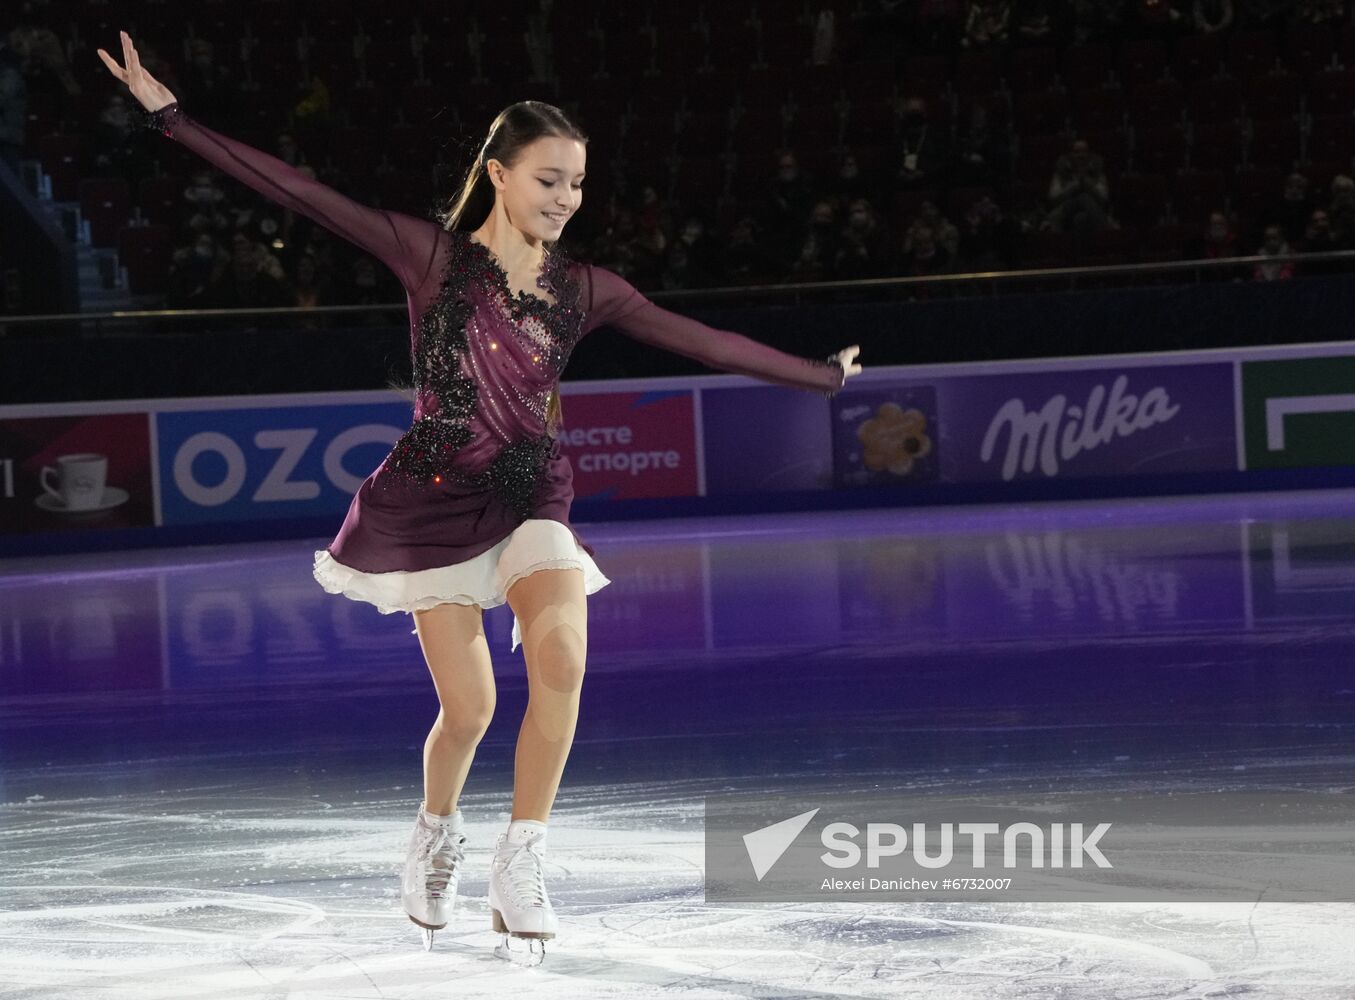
570, 616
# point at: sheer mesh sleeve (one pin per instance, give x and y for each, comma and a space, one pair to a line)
403, 243
615, 302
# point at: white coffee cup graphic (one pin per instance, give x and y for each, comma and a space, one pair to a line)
80, 480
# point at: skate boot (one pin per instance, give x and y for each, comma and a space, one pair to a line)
517, 892
432, 870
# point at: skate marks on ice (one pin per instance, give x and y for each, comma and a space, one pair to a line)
126, 897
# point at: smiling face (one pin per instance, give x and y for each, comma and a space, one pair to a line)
544, 188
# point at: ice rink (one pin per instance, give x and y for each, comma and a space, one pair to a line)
209, 767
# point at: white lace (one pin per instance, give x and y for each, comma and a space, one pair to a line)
525, 878
440, 854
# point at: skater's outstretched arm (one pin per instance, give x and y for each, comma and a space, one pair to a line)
611, 300
403, 243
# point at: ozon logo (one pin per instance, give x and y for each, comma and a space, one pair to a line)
291, 446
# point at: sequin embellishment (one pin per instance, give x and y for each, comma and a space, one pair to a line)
162, 120
425, 454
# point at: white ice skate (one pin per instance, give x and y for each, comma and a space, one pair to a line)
517, 892
432, 870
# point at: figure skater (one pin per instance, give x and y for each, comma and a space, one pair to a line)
470, 509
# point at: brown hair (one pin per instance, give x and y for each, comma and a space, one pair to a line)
513, 129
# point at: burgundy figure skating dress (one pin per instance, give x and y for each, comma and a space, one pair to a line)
476, 493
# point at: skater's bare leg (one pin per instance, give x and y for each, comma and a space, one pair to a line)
552, 613
457, 653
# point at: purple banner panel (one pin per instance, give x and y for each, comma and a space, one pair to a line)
765, 439
1111, 421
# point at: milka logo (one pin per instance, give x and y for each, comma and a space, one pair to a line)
1058, 432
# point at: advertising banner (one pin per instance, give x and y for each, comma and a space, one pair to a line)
765, 439
1038, 425
73, 473
248, 464
1299, 412
624, 445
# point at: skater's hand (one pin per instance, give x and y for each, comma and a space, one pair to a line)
152, 94
846, 357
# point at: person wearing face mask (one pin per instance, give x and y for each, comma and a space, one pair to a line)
921, 152
817, 248
865, 244
786, 204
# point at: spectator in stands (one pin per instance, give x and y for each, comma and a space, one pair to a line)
942, 230
1079, 195
986, 23
365, 287
1319, 236
309, 289
192, 271
923, 157
1275, 245
211, 87
745, 259
865, 245
615, 247
43, 61
690, 261
1295, 207
1341, 211
983, 154
1210, 16
13, 103
924, 254
1220, 239
847, 182
116, 149
648, 239
818, 246
247, 283
986, 237
788, 201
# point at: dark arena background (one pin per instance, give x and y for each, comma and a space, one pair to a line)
1077, 543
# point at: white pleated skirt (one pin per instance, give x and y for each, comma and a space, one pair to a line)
537, 543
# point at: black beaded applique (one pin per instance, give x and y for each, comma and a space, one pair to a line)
162, 120
833, 362
424, 455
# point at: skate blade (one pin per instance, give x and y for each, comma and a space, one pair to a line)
533, 955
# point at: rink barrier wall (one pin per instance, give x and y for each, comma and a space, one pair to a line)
219, 469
